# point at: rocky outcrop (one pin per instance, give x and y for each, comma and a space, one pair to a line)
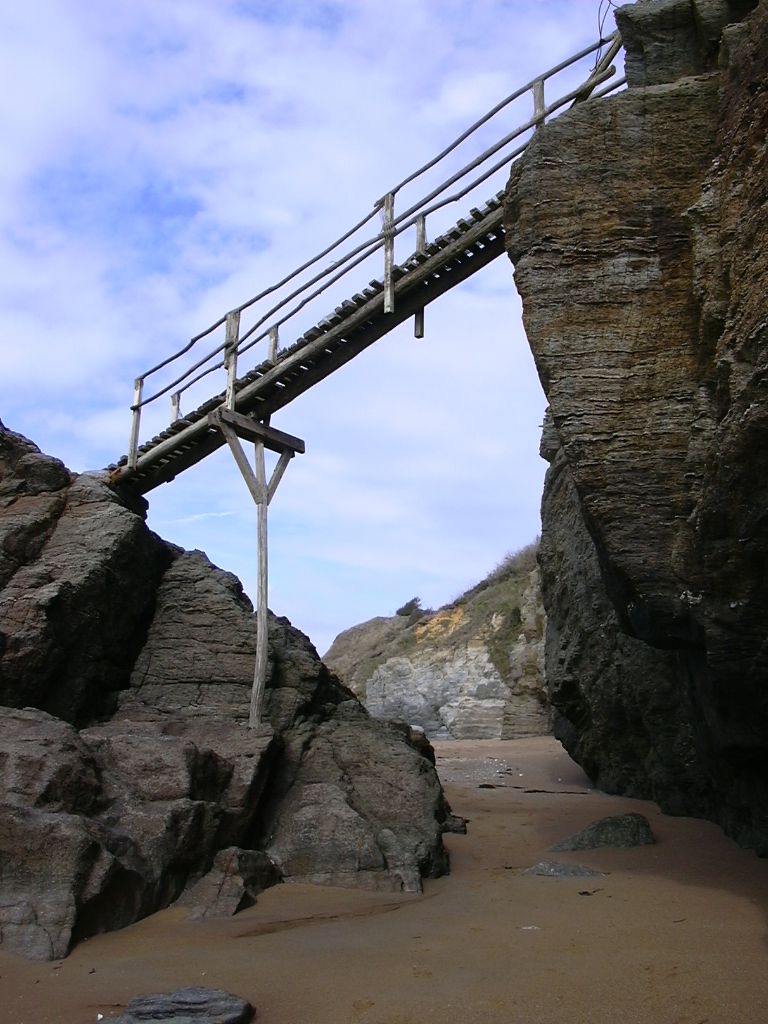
472, 670
643, 284
146, 786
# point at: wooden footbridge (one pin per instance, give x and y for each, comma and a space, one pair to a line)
242, 410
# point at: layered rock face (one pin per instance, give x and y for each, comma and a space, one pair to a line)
129, 778
637, 227
472, 670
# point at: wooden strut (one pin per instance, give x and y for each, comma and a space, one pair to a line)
421, 249
389, 252
234, 426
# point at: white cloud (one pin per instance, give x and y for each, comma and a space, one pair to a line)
164, 161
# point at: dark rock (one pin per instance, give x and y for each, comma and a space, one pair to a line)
666, 40
188, 1006
646, 211
554, 869
233, 883
45, 764
618, 831
165, 790
74, 615
59, 879
630, 737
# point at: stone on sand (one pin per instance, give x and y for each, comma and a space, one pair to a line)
618, 831
188, 1006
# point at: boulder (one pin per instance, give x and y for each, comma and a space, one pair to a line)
188, 1006
619, 831
233, 883
130, 778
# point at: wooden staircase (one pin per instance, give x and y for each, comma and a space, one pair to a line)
354, 325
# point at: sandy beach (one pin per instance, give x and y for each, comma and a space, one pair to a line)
674, 932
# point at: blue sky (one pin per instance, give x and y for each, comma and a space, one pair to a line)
163, 162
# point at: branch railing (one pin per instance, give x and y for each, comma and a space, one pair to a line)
236, 344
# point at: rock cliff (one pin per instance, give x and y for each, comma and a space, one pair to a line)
128, 776
472, 670
637, 227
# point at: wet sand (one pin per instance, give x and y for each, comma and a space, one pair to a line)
674, 932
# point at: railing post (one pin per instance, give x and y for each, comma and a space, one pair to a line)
176, 407
273, 339
539, 106
389, 252
133, 446
421, 247
230, 355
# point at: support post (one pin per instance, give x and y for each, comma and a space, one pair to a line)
539, 106
230, 355
421, 248
175, 407
389, 252
260, 671
133, 444
273, 339
233, 426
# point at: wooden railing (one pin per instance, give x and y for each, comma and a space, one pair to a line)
268, 324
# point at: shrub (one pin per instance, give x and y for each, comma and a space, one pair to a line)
414, 605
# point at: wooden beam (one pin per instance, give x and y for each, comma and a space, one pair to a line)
276, 440
273, 341
262, 626
133, 444
258, 491
421, 249
539, 106
230, 355
277, 474
389, 252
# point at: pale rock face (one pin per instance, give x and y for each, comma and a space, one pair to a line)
446, 674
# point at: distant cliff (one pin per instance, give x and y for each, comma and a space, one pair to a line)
472, 670
638, 228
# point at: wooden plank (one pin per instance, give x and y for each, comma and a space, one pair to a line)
275, 440
273, 340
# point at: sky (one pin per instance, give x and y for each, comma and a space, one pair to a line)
163, 162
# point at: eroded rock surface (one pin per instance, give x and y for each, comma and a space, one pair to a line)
643, 282
128, 776
472, 670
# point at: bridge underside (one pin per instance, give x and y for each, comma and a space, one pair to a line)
355, 325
